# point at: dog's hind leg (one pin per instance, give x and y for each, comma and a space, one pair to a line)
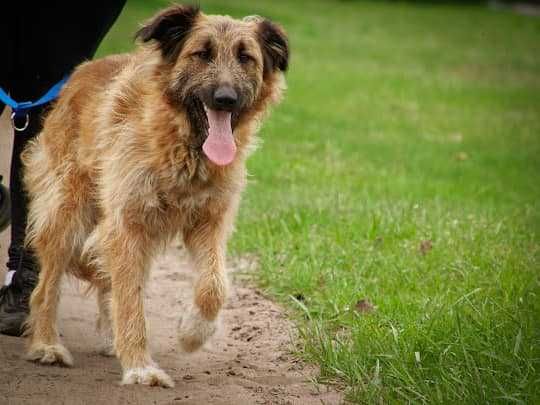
104, 321
45, 345
55, 244
58, 221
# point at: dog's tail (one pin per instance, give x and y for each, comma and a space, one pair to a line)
201, 320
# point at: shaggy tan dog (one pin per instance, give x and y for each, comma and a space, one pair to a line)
138, 149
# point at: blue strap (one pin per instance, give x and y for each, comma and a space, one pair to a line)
21, 109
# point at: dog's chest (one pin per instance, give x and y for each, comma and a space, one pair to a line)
187, 194
191, 195
192, 200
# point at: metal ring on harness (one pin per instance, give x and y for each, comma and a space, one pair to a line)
26, 123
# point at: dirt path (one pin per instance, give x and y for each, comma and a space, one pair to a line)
247, 363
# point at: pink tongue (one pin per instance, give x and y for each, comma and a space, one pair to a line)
219, 145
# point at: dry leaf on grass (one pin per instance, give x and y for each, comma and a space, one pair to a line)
300, 297
425, 246
363, 306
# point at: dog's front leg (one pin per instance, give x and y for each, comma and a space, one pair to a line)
127, 255
205, 241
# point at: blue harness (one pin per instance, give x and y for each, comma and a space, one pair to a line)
21, 109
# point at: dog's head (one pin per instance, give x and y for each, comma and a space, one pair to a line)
218, 68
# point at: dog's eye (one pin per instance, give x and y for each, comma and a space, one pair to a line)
203, 55
244, 58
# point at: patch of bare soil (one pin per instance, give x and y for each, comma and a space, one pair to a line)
248, 362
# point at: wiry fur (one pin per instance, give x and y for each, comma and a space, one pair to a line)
118, 172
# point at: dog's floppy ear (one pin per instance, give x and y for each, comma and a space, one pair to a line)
169, 28
275, 46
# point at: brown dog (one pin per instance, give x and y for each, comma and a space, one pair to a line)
138, 149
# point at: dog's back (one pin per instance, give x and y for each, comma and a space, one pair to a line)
71, 122
60, 173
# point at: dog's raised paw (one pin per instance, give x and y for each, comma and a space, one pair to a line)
150, 375
50, 354
194, 330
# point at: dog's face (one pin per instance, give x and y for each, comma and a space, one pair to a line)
218, 67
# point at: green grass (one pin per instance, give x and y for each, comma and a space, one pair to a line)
404, 122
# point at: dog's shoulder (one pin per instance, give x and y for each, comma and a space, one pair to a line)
102, 69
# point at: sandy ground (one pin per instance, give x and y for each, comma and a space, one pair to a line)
248, 362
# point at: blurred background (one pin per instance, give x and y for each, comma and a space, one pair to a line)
394, 204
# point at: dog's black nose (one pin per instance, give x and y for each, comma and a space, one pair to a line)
225, 98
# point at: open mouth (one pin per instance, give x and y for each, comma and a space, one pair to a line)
219, 145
